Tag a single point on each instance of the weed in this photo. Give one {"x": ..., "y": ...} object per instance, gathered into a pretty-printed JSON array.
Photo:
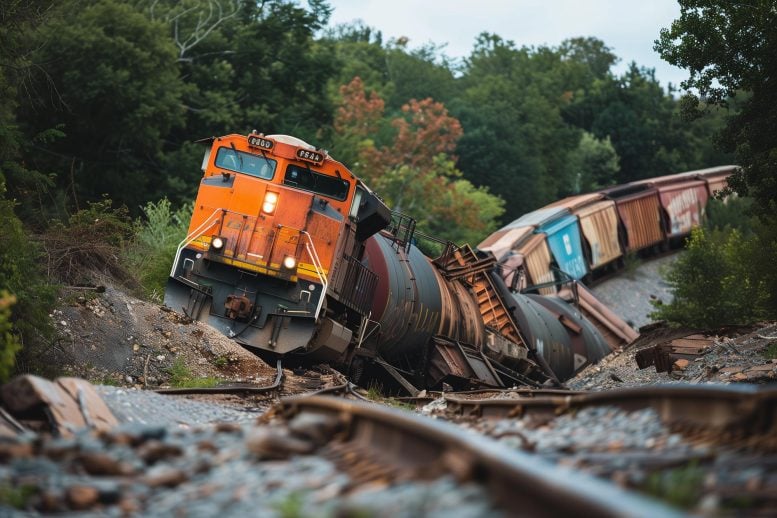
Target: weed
[
  {"x": 16, "y": 497},
  {"x": 630, "y": 264},
  {"x": 681, "y": 487},
  {"x": 771, "y": 351},
  {"x": 221, "y": 361},
  {"x": 107, "y": 380},
  {"x": 291, "y": 506},
  {"x": 181, "y": 377},
  {"x": 151, "y": 253},
  {"x": 375, "y": 392}
]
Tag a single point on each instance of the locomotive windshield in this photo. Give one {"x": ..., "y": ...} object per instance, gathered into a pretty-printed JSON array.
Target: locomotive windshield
[
  {"x": 246, "y": 163},
  {"x": 308, "y": 180}
]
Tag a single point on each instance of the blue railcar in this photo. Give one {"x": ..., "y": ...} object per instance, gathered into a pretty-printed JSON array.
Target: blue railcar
[{"x": 563, "y": 237}]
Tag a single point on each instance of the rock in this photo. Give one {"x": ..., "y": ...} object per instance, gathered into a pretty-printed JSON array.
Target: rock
[
  {"x": 82, "y": 497},
  {"x": 165, "y": 476},
  {"x": 226, "y": 427},
  {"x": 14, "y": 450},
  {"x": 154, "y": 451},
  {"x": 681, "y": 364},
  {"x": 97, "y": 463},
  {"x": 136, "y": 347},
  {"x": 161, "y": 358},
  {"x": 128, "y": 379}
]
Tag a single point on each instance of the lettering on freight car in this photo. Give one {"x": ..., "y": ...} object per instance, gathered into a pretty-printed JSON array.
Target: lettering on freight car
[{"x": 683, "y": 211}]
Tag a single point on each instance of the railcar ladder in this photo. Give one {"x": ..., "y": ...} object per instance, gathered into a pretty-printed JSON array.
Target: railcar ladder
[{"x": 463, "y": 263}]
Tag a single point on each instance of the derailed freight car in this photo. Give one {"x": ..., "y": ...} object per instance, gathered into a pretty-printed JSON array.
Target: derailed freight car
[{"x": 637, "y": 217}]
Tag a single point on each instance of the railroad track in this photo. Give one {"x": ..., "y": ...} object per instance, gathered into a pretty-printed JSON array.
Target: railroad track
[
  {"x": 372, "y": 443},
  {"x": 748, "y": 410},
  {"x": 707, "y": 448}
]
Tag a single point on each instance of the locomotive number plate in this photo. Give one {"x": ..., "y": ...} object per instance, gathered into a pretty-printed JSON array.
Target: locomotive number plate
[
  {"x": 310, "y": 156},
  {"x": 260, "y": 142}
]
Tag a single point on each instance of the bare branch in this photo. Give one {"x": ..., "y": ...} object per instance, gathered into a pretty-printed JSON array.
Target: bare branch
[{"x": 206, "y": 23}]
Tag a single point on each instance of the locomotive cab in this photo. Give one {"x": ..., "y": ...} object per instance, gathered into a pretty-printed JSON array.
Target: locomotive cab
[{"x": 272, "y": 257}]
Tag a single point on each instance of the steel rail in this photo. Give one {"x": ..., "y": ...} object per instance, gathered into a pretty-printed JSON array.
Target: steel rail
[
  {"x": 241, "y": 388},
  {"x": 750, "y": 408},
  {"x": 423, "y": 448}
]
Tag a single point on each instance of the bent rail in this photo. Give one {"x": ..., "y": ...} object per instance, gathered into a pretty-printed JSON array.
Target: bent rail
[{"x": 418, "y": 447}]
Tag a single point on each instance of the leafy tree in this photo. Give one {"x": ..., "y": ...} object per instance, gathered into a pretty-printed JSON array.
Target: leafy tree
[
  {"x": 515, "y": 140},
  {"x": 113, "y": 91},
  {"x": 712, "y": 283},
  {"x": 414, "y": 169},
  {"x": 730, "y": 48},
  {"x": 593, "y": 164}
]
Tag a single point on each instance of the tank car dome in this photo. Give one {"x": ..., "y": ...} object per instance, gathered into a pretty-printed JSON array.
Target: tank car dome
[{"x": 292, "y": 141}]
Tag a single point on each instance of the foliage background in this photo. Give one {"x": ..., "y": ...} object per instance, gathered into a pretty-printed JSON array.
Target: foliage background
[{"x": 104, "y": 99}]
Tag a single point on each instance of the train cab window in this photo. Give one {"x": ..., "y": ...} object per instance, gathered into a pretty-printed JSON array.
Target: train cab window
[
  {"x": 308, "y": 180},
  {"x": 246, "y": 163}
]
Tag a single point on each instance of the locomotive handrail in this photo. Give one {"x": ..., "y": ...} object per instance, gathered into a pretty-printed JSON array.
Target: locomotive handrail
[
  {"x": 313, "y": 253},
  {"x": 191, "y": 237}
]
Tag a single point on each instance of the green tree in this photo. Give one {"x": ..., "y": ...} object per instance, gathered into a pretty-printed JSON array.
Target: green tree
[
  {"x": 515, "y": 140},
  {"x": 713, "y": 284},
  {"x": 111, "y": 86},
  {"x": 414, "y": 170},
  {"x": 593, "y": 164},
  {"x": 730, "y": 49}
]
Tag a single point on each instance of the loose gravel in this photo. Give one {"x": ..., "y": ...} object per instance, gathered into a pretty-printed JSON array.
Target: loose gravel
[{"x": 630, "y": 293}]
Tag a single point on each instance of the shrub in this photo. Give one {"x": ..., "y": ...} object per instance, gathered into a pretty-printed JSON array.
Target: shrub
[
  {"x": 90, "y": 243},
  {"x": 150, "y": 255},
  {"x": 733, "y": 213},
  {"x": 714, "y": 282},
  {"x": 9, "y": 343},
  {"x": 181, "y": 377},
  {"x": 27, "y": 296}
]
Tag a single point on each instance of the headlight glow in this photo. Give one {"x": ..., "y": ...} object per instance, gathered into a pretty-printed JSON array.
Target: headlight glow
[
  {"x": 270, "y": 201},
  {"x": 289, "y": 262},
  {"x": 217, "y": 243}
]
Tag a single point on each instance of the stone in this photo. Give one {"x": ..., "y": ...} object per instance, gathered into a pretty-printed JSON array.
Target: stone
[
  {"x": 154, "y": 451},
  {"x": 82, "y": 497},
  {"x": 98, "y": 463},
  {"x": 165, "y": 477},
  {"x": 14, "y": 450},
  {"x": 681, "y": 364}
]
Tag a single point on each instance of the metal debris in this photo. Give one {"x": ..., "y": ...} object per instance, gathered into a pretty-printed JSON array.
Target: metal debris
[{"x": 666, "y": 354}]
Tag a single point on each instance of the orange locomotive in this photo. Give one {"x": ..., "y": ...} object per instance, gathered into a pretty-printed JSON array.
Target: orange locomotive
[{"x": 271, "y": 256}]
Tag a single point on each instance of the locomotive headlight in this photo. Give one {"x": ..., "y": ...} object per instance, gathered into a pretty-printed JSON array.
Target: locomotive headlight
[
  {"x": 270, "y": 201},
  {"x": 289, "y": 262},
  {"x": 217, "y": 243}
]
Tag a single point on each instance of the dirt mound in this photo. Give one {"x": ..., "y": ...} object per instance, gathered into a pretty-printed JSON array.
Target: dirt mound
[{"x": 109, "y": 337}]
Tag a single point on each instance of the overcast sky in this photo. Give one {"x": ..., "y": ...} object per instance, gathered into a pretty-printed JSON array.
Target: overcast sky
[{"x": 629, "y": 27}]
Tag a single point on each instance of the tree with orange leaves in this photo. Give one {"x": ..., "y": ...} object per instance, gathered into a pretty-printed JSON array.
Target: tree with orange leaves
[{"x": 409, "y": 160}]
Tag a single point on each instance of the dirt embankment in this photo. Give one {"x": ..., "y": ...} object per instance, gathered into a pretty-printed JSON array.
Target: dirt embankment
[{"x": 112, "y": 338}]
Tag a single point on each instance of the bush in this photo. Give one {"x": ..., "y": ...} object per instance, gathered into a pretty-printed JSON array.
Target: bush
[
  {"x": 90, "y": 243},
  {"x": 733, "y": 213},
  {"x": 150, "y": 255},
  {"x": 27, "y": 296},
  {"x": 9, "y": 343},
  {"x": 715, "y": 282}
]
